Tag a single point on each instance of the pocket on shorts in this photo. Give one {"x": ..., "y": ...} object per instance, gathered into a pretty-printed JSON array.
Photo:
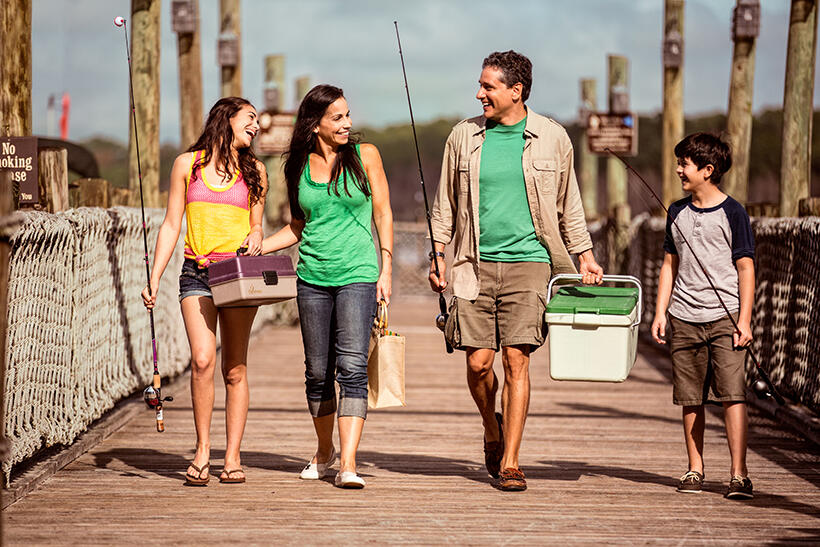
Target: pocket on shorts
[{"x": 451, "y": 330}]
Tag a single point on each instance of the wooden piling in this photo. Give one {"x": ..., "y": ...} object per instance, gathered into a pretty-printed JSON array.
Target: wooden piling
[
  {"x": 795, "y": 171},
  {"x": 588, "y": 168},
  {"x": 15, "y": 68},
  {"x": 6, "y": 209},
  {"x": 618, "y": 98},
  {"x": 275, "y": 82},
  {"x": 189, "y": 60},
  {"x": 90, "y": 193},
  {"x": 52, "y": 179},
  {"x": 672, "y": 99},
  {"x": 302, "y": 88},
  {"x": 229, "y": 22},
  {"x": 809, "y": 207},
  {"x": 145, "y": 48}
]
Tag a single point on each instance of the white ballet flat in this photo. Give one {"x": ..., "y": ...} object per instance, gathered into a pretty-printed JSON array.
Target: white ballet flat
[
  {"x": 316, "y": 471},
  {"x": 348, "y": 479}
]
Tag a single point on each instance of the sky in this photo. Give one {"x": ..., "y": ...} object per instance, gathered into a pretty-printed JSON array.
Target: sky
[{"x": 352, "y": 44}]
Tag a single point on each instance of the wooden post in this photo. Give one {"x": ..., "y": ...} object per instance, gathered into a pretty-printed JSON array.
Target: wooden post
[
  {"x": 53, "y": 179},
  {"x": 739, "y": 120},
  {"x": 229, "y": 23},
  {"x": 589, "y": 161},
  {"x": 145, "y": 40},
  {"x": 119, "y": 196},
  {"x": 618, "y": 85},
  {"x": 302, "y": 88},
  {"x": 795, "y": 175},
  {"x": 672, "y": 98},
  {"x": 6, "y": 209},
  {"x": 90, "y": 193},
  {"x": 15, "y": 68},
  {"x": 809, "y": 207},
  {"x": 275, "y": 83},
  {"x": 190, "y": 82}
]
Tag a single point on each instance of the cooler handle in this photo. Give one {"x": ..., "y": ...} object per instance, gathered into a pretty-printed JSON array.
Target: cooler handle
[{"x": 631, "y": 279}]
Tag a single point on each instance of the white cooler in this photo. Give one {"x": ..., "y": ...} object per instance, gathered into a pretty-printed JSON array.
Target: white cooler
[{"x": 593, "y": 330}]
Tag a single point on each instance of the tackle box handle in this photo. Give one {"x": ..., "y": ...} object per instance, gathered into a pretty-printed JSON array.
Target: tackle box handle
[{"x": 629, "y": 279}]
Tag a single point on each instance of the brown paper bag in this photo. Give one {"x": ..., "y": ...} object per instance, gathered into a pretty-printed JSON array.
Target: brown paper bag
[{"x": 385, "y": 364}]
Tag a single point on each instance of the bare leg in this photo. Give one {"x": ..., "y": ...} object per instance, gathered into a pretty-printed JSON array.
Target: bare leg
[
  {"x": 324, "y": 435},
  {"x": 694, "y": 423},
  {"x": 199, "y": 314},
  {"x": 737, "y": 425},
  {"x": 483, "y": 385},
  {"x": 235, "y": 327},
  {"x": 515, "y": 400},
  {"x": 350, "y": 432}
]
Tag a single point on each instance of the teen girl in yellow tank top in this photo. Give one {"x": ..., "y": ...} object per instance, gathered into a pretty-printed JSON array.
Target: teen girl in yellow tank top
[{"x": 220, "y": 187}]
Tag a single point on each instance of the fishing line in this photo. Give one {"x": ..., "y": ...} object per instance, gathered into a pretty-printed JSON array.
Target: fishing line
[
  {"x": 152, "y": 395},
  {"x": 441, "y": 318},
  {"x": 762, "y": 389}
]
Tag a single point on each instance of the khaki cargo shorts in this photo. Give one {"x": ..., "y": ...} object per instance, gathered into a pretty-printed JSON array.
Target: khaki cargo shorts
[
  {"x": 509, "y": 310},
  {"x": 705, "y": 366}
]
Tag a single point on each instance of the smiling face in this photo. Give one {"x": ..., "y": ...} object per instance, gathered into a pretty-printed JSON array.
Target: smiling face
[
  {"x": 501, "y": 103},
  {"x": 334, "y": 127},
  {"x": 245, "y": 126},
  {"x": 691, "y": 177}
]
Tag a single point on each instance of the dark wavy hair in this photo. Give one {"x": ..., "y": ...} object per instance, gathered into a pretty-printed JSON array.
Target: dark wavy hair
[
  {"x": 514, "y": 68},
  {"x": 703, "y": 149},
  {"x": 303, "y": 142},
  {"x": 217, "y": 137}
]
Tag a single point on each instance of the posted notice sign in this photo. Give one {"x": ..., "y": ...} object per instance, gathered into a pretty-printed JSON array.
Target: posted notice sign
[
  {"x": 18, "y": 155},
  {"x": 618, "y": 132}
]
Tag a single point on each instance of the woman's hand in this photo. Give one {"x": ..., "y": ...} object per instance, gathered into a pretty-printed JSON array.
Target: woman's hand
[
  {"x": 253, "y": 243},
  {"x": 384, "y": 286},
  {"x": 150, "y": 301}
]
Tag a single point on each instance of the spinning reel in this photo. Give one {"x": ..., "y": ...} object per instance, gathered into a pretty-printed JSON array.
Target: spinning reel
[{"x": 153, "y": 397}]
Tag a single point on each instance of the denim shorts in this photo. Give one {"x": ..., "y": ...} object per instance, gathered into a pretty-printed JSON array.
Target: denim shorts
[{"x": 193, "y": 281}]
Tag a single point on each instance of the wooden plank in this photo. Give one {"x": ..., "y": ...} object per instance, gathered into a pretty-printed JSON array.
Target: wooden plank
[{"x": 602, "y": 462}]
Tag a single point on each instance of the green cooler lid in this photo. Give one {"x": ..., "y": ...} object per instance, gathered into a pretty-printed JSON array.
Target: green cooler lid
[{"x": 594, "y": 299}]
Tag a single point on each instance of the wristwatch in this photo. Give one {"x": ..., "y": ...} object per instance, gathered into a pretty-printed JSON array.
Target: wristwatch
[{"x": 430, "y": 255}]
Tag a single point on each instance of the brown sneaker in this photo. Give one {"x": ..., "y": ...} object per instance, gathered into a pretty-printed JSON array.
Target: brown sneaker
[
  {"x": 512, "y": 480},
  {"x": 494, "y": 451},
  {"x": 691, "y": 483},
  {"x": 740, "y": 488}
]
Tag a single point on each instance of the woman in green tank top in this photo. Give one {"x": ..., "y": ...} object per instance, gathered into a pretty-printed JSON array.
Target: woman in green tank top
[{"x": 337, "y": 189}]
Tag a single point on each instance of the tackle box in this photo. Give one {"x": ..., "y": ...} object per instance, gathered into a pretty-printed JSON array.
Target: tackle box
[
  {"x": 252, "y": 280},
  {"x": 593, "y": 330}
]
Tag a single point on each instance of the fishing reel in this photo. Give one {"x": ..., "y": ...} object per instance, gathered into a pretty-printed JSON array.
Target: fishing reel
[
  {"x": 441, "y": 319},
  {"x": 761, "y": 389},
  {"x": 153, "y": 397}
]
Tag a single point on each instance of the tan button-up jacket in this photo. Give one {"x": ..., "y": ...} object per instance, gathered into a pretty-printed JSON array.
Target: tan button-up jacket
[{"x": 552, "y": 192}]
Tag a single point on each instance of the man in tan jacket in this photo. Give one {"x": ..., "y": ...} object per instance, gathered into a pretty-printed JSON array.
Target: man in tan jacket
[{"x": 509, "y": 205}]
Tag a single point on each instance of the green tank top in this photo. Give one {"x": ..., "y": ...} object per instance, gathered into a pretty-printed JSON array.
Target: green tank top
[
  {"x": 506, "y": 230},
  {"x": 337, "y": 243}
]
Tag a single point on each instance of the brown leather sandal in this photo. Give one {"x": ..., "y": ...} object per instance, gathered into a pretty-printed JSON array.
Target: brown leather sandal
[
  {"x": 227, "y": 478},
  {"x": 511, "y": 480},
  {"x": 198, "y": 479}
]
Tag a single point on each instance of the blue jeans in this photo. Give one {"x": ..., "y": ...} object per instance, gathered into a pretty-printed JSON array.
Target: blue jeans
[{"x": 336, "y": 323}]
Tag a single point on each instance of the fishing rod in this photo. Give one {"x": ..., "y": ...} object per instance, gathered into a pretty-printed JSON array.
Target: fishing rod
[
  {"x": 152, "y": 395},
  {"x": 763, "y": 387},
  {"x": 441, "y": 318}
]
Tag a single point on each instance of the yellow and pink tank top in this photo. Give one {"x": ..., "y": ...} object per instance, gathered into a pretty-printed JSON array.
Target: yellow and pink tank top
[{"x": 218, "y": 218}]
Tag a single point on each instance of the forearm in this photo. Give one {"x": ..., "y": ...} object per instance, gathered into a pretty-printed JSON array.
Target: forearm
[
  {"x": 287, "y": 236},
  {"x": 384, "y": 229},
  {"x": 166, "y": 242},
  {"x": 666, "y": 280}
]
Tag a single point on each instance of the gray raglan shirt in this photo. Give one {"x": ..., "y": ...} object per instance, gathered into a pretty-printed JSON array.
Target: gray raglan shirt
[{"x": 719, "y": 236}]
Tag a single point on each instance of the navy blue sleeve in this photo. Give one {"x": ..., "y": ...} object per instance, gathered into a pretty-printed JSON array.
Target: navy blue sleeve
[
  {"x": 743, "y": 240},
  {"x": 669, "y": 241}
]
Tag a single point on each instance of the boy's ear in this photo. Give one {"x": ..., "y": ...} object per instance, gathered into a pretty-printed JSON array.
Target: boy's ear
[{"x": 708, "y": 169}]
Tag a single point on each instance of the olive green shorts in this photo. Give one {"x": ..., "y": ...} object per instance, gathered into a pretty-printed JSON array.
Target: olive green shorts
[
  {"x": 705, "y": 365},
  {"x": 509, "y": 310}
]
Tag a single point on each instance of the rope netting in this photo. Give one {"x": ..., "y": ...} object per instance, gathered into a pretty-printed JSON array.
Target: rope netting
[{"x": 786, "y": 314}]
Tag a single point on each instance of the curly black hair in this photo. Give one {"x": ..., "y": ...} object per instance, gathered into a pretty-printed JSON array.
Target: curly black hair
[{"x": 514, "y": 68}]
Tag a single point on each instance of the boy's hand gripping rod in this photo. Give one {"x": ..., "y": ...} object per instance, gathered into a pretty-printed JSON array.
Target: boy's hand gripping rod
[
  {"x": 762, "y": 389},
  {"x": 152, "y": 395},
  {"x": 441, "y": 319}
]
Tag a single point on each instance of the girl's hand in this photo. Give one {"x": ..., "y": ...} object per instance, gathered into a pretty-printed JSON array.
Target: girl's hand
[
  {"x": 150, "y": 301},
  {"x": 384, "y": 287},
  {"x": 253, "y": 243}
]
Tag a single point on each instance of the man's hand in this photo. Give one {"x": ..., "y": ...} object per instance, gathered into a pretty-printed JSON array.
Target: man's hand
[
  {"x": 742, "y": 337},
  {"x": 659, "y": 328},
  {"x": 438, "y": 284},
  {"x": 591, "y": 271}
]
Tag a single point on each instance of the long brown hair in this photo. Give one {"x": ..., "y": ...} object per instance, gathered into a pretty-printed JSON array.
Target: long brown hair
[
  {"x": 303, "y": 142},
  {"x": 217, "y": 136}
]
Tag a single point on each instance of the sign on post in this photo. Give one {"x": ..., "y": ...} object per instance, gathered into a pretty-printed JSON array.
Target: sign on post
[
  {"x": 618, "y": 132},
  {"x": 275, "y": 131},
  {"x": 18, "y": 155}
]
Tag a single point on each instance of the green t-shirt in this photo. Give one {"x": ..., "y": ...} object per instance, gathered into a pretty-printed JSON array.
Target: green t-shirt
[
  {"x": 337, "y": 243},
  {"x": 506, "y": 231}
]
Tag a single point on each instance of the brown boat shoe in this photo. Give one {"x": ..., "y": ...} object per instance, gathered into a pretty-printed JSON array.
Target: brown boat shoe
[
  {"x": 494, "y": 451},
  {"x": 512, "y": 480}
]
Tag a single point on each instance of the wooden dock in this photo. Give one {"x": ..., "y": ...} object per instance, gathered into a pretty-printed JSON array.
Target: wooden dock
[{"x": 602, "y": 462}]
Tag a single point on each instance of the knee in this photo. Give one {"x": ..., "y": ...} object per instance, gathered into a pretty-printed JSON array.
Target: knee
[
  {"x": 479, "y": 367},
  {"x": 234, "y": 375},
  {"x": 202, "y": 362},
  {"x": 516, "y": 365}
]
